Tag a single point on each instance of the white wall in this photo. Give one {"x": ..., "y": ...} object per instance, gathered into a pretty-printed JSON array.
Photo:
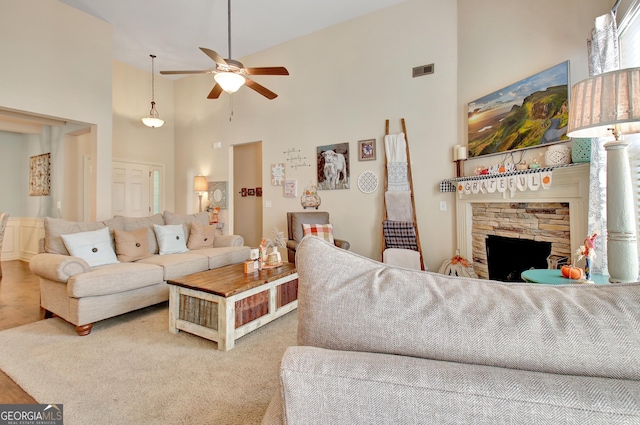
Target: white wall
[
  {"x": 501, "y": 42},
  {"x": 57, "y": 62},
  {"x": 12, "y": 161},
  {"x": 345, "y": 81},
  {"x": 132, "y": 140}
]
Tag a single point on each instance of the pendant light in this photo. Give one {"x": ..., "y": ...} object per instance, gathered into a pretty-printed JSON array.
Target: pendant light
[{"x": 153, "y": 120}]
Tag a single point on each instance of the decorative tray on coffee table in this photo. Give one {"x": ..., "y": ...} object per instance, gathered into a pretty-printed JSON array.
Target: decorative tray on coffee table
[{"x": 272, "y": 267}]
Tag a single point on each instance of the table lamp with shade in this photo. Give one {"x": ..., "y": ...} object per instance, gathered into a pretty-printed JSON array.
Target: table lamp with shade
[
  {"x": 608, "y": 105},
  {"x": 200, "y": 186}
]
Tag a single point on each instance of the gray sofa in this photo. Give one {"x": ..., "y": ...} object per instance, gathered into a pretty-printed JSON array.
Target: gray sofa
[
  {"x": 383, "y": 345},
  {"x": 83, "y": 295}
]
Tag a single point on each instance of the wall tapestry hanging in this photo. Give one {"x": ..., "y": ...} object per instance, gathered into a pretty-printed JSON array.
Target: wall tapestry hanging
[
  {"x": 526, "y": 114},
  {"x": 40, "y": 175},
  {"x": 333, "y": 166}
]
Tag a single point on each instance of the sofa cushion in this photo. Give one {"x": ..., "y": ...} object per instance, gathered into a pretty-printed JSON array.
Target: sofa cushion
[
  {"x": 113, "y": 278},
  {"x": 171, "y": 239},
  {"x": 349, "y": 302},
  {"x": 176, "y": 265},
  {"x": 201, "y": 236},
  {"x": 55, "y": 227},
  {"x": 134, "y": 223},
  {"x": 94, "y": 246},
  {"x": 223, "y": 256},
  {"x": 186, "y": 219},
  {"x": 346, "y": 387},
  {"x": 324, "y": 231},
  {"x": 132, "y": 246}
]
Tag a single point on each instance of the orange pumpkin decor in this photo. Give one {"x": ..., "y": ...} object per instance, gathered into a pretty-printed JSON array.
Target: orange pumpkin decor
[
  {"x": 571, "y": 272},
  {"x": 546, "y": 179}
]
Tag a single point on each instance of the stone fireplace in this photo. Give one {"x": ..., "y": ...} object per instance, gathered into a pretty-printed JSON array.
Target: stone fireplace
[{"x": 557, "y": 215}]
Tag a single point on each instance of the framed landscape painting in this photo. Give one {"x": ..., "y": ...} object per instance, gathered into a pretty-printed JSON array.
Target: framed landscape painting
[{"x": 526, "y": 114}]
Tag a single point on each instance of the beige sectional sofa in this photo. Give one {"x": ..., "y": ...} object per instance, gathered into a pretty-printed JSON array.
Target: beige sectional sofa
[
  {"x": 383, "y": 345},
  {"x": 83, "y": 294}
]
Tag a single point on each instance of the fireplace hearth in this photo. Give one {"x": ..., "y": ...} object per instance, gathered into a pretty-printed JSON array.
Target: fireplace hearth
[{"x": 558, "y": 214}]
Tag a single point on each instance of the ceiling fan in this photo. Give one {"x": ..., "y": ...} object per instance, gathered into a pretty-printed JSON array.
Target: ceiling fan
[{"x": 231, "y": 74}]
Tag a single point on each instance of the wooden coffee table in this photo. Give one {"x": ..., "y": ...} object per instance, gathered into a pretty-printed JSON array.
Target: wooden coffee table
[{"x": 224, "y": 304}]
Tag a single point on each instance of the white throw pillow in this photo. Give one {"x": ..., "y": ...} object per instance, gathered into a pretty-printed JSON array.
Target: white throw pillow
[
  {"x": 94, "y": 247},
  {"x": 171, "y": 239}
]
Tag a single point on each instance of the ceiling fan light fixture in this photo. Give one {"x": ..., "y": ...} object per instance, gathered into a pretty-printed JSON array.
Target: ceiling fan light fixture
[
  {"x": 229, "y": 81},
  {"x": 153, "y": 120}
]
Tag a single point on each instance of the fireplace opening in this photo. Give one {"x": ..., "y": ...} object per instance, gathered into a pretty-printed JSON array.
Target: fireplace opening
[{"x": 507, "y": 258}]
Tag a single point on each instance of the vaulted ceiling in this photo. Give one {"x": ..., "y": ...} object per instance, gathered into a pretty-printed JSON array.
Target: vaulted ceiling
[{"x": 173, "y": 30}]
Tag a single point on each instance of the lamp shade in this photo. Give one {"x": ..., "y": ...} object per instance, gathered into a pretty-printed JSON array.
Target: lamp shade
[
  {"x": 152, "y": 122},
  {"x": 605, "y": 101},
  {"x": 200, "y": 184},
  {"x": 229, "y": 81}
]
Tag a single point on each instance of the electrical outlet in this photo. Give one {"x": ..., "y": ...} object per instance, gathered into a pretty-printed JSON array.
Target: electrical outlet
[
  {"x": 267, "y": 204},
  {"x": 443, "y": 205}
]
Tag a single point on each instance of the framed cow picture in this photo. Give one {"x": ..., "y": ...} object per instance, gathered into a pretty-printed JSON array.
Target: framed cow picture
[{"x": 333, "y": 166}]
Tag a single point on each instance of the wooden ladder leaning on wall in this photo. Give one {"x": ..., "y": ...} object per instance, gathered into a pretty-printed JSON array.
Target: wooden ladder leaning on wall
[{"x": 386, "y": 182}]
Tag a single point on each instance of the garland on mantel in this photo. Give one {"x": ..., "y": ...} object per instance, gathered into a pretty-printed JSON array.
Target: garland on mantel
[{"x": 530, "y": 179}]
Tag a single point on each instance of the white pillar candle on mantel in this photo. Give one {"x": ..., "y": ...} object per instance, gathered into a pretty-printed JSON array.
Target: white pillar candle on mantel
[
  {"x": 462, "y": 152},
  {"x": 455, "y": 152}
]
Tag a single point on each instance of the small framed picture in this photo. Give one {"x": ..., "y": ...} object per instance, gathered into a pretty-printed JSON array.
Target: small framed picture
[
  {"x": 251, "y": 192},
  {"x": 290, "y": 188},
  {"x": 243, "y": 192},
  {"x": 367, "y": 150},
  {"x": 258, "y": 191}
]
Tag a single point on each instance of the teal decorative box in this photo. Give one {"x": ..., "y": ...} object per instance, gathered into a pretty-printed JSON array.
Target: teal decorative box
[{"x": 581, "y": 150}]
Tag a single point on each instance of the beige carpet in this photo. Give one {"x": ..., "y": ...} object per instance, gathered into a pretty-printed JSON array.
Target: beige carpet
[{"x": 131, "y": 370}]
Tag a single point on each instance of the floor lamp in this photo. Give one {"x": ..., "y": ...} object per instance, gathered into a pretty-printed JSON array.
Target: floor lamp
[{"x": 608, "y": 105}]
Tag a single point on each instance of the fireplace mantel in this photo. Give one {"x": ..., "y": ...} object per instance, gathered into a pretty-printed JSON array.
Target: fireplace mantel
[{"x": 569, "y": 185}]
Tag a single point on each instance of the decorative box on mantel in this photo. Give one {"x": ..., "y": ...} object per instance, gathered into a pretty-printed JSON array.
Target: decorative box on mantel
[{"x": 570, "y": 185}]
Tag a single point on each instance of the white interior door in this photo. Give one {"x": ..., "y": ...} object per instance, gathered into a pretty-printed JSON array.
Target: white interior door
[{"x": 131, "y": 189}]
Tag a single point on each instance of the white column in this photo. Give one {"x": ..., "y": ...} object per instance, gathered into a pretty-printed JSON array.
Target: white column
[{"x": 622, "y": 249}]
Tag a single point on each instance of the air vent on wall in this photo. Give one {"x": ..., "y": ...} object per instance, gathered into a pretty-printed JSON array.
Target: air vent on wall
[{"x": 419, "y": 71}]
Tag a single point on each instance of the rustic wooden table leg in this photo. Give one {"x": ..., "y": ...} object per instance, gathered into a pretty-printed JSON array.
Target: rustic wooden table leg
[
  {"x": 174, "y": 307},
  {"x": 226, "y": 323}
]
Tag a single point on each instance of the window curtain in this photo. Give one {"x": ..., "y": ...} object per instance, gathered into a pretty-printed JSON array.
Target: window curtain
[{"x": 603, "y": 57}]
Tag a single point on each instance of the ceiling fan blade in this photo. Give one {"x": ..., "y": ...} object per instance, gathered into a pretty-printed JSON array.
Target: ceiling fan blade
[
  {"x": 213, "y": 55},
  {"x": 215, "y": 92},
  {"x": 267, "y": 70},
  {"x": 260, "y": 89},
  {"x": 204, "y": 71}
]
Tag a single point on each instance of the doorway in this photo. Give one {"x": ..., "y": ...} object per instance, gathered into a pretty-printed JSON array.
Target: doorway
[
  {"x": 137, "y": 189},
  {"x": 247, "y": 192}
]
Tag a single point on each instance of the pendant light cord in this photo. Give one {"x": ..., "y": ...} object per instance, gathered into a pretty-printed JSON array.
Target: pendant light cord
[
  {"x": 153, "y": 97},
  {"x": 229, "y": 26},
  {"x": 229, "y": 38}
]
